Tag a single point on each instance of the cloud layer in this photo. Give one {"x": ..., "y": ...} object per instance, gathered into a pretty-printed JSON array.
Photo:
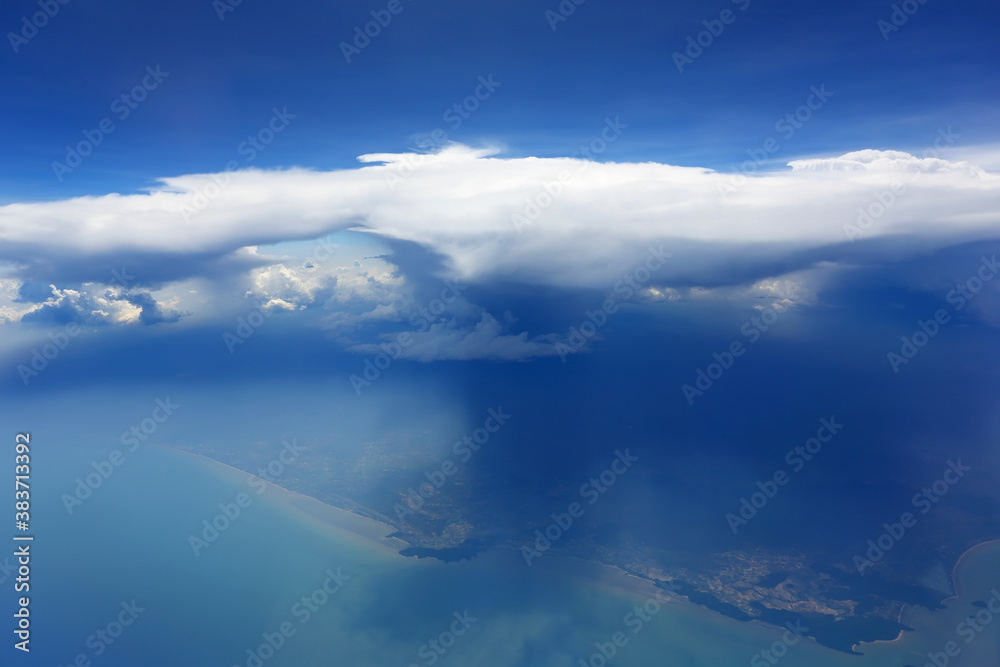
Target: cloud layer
[
  {"x": 548, "y": 221},
  {"x": 467, "y": 215}
]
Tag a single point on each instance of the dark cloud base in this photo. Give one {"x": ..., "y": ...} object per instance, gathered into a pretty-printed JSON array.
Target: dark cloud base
[{"x": 828, "y": 360}]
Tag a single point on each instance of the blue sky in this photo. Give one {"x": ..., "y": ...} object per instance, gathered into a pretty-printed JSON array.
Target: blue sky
[{"x": 606, "y": 59}]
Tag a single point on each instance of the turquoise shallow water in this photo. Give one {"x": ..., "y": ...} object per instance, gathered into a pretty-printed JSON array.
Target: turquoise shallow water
[{"x": 130, "y": 541}]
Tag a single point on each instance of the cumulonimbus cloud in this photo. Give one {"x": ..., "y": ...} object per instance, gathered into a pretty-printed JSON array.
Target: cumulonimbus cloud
[{"x": 555, "y": 221}]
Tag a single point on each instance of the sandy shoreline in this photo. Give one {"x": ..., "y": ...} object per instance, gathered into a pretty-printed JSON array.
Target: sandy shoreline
[
  {"x": 609, "y": 577},
  {"x": 956, "y": 582},
  {"x": 314, "y": 510},
  {"x": 342, "y": 520}
]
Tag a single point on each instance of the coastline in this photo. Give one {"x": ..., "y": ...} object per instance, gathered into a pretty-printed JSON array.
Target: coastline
[
  {"x": 612, "y": 578},
  {"x": 902, "y": 618},
  {"x": 330, "y": 517},
  {"x": 322, "y": 515},
  {"x": 955, "y": 580}
]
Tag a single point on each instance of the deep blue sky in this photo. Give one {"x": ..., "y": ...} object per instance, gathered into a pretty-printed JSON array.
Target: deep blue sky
[{"x": 608, "y": 59}]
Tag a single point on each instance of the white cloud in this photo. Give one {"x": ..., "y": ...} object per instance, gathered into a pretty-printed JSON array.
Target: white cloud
[
  {"x": 888, "y": 162},
  {"x": 290, "y": 289},
  {"x": 11, "y": 310},
  {"x": 459, "y": 204},
  {"x": 770, "y": 240},
  {"x": 366, "y": 292},
  {"x": 91, "y": 303}
]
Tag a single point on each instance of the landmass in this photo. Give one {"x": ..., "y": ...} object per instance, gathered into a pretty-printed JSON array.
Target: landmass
[{"x": 822, "y": 592}]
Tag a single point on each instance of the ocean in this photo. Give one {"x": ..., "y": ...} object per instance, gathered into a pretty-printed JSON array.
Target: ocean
[{"x": 175, "y": 559}]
